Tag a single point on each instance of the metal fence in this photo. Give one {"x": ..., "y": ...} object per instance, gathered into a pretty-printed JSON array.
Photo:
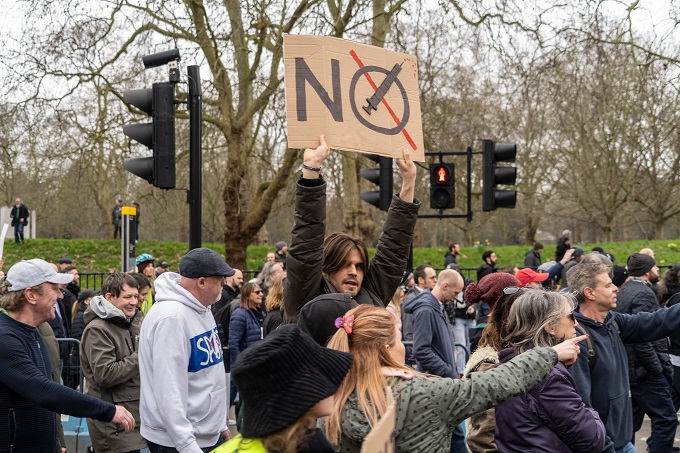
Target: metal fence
[
  {"x": 76, "y": 433},
  {"x": 94, "y": 280}
]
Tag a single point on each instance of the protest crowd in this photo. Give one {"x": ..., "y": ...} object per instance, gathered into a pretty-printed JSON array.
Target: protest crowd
[{"x": 325, "y": 344}]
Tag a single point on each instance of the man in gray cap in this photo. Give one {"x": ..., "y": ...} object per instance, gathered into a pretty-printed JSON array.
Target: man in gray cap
[
  {"x": 29, "y": 399},
  {"x": 281, "y": 250},
  {"x": 184, "y": 391}
]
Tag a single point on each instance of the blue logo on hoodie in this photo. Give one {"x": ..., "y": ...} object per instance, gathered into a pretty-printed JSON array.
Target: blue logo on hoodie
[{"x": 206, "y": 351}]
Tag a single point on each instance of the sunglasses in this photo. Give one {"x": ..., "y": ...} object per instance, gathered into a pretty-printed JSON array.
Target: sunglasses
[
  {"x": 572, "y": 317},
  {"x": 259, "y": 291},
  {"x": 510, "y": 290}
]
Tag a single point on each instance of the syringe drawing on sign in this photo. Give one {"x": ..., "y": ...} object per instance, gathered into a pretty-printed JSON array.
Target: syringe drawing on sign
[{"x": 374, "y": 100}]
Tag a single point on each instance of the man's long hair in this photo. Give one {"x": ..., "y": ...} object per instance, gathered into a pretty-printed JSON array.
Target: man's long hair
[{"x": 336, "y": 250}]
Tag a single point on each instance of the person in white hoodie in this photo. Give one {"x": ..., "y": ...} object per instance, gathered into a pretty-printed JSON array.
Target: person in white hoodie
[{"x": 184, "y": 388}]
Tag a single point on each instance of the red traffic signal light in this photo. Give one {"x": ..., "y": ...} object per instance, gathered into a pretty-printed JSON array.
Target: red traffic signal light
[{"x": 442, "y": 190}]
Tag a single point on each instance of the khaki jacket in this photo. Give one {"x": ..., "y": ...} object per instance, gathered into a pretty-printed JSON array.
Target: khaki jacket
[
  {"x": 481, "y": 427},
  {"x": 108, "y": 356}
]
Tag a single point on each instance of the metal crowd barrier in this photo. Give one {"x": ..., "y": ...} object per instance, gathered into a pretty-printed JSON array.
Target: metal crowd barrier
[{"x": 75, "y": 429}]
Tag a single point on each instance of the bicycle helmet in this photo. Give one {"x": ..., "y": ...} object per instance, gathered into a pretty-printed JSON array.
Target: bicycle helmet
[{"x": 143, "y": 257}]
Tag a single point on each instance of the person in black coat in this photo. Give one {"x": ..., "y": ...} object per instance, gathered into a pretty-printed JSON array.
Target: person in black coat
[
  {"x": 72, "y": 367},
  {"x": 533, "y": 257},
  {"x": 19, "y": 215},
  {"x": 563, "y": 244}
]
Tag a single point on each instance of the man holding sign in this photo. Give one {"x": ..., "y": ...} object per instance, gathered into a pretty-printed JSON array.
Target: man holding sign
[{"x": 339, "y": 264}]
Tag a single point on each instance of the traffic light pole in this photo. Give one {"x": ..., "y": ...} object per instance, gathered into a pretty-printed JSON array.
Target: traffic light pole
[
  {"x": 468, "y": 153},
  {"x": 194, "y": 195}
]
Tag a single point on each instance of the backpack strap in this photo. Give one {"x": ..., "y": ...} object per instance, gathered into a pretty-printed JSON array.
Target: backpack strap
[
  {"x": 674, "y": 299},
  {"x": 592, "y": 357}
]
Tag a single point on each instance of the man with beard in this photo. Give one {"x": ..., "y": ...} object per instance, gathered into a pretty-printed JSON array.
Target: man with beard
[
  {"x": 340, "y": 264},
  {"x": 649, "y": 367},
  {"x": 489, "y": 266}
]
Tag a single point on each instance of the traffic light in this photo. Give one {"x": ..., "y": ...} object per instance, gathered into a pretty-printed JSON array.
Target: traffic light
[
  {"x": 442, "y": 186},
  {"x": 492, "y": 197},
  {"x": 382, "y": 177},
  {"x": 159, "y": 135}
]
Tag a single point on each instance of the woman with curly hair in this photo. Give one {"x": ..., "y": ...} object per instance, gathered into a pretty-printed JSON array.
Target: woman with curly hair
[{"x": 428, "y": 407}]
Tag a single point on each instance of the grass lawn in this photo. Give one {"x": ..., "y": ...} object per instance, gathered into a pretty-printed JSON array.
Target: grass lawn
[{"x": 100, "y": 256}]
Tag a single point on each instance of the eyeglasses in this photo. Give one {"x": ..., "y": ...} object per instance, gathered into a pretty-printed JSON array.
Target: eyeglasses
[
  {"x": 572, "y": 317},
  {"x": 510, "y": 290}
]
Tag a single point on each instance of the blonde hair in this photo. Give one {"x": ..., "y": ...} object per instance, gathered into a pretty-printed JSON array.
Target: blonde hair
[
  {"x": 397, "y": 298},
  {"x": 373, "y": 331},
  {"x": 289, "y": 439},
  {"x": 275, "y": 296}
]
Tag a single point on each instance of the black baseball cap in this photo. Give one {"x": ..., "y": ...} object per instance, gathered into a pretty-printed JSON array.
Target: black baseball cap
[{"x": 203, "y": 262}]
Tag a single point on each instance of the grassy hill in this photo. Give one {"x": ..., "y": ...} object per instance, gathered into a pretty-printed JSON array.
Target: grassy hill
[{"x": 100, "y": 256}]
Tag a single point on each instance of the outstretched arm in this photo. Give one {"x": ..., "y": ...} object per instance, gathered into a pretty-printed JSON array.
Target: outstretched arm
[
  {"x": 387, "y": 267},
  {"x": 305, "y": 255},
  {"x": 408, "y": 176},
  {"x": 314, "y": 158}
]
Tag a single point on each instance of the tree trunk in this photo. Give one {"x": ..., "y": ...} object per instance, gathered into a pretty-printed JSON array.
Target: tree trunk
[
  {"x": 659, "y": 229},
  {"x": 531, "y": 227}
]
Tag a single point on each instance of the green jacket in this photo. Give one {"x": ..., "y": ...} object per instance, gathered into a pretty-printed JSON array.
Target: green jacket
[
  {"x": 108, "y": 356},
  {"x": 240, "y": 445},
  {"x": 429, "y": 408}
]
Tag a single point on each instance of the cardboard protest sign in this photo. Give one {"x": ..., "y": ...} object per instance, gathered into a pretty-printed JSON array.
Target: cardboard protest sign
[
  {"x": 381, "y": 437},
  {"x": 364, "y": 98}
]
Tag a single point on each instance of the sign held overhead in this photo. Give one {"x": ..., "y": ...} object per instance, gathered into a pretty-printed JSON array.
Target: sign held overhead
[{"x": 364, "y": 98}]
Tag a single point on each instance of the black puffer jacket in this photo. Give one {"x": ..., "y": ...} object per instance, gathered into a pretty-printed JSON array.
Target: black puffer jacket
[
  {"x": 649, "y": 358},
  {"x": 305, "y": 256},
  {"x": 672, "y": 297}
]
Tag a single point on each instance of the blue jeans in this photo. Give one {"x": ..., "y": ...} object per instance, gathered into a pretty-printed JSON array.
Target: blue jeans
[
  {"x": 462, "y": 337},
  {"x": 653, "y": 397},
  {"x": 458, "y": 444},
  {"x": 627, "y": 449},
  {"x": 19, "y": 232}
]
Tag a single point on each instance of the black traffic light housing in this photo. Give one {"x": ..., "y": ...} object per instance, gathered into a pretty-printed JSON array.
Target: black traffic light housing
[
  {"x": 493, "y": 175},
  {"x": 382, "y": 177},
  {"x": 159, "y": 135},
  {"x": 442, "y": 186}
]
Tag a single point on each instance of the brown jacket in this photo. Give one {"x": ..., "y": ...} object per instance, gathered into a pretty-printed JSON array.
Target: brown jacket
[
  {"x": 481, "y": 427},
  {"x": 304, "y": 281},
  {"x": 108, "y": 355}
]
